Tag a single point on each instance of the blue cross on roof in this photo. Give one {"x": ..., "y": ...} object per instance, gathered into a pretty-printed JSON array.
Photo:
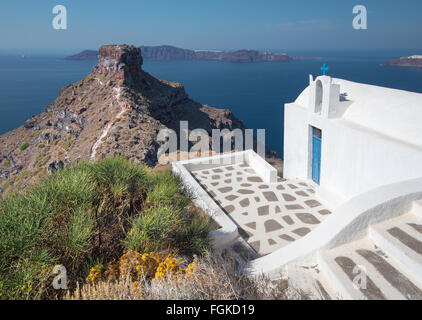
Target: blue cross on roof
[{"x": 324, "y": 68}]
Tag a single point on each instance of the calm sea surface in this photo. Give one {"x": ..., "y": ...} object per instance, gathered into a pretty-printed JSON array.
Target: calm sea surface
[{"x": 254, "y": 92}]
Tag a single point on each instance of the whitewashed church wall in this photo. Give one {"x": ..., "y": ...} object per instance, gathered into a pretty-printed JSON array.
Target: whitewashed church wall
[
  {"x": 353, "y": 159},
  {"x": 296, "y": 138}
]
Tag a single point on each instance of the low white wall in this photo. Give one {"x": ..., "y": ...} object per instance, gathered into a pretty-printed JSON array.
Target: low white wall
[
  {"x": 266, "y": 171},
  {"x": 347, "y": 223},
  {"x": 229, "y": 230}
]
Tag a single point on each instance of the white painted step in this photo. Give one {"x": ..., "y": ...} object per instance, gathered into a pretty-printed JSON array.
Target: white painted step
[
  {"x": 307, "y": 280},
  {"x": 239, "y": 252},
  {"x": 401, "y": 238},
  {"x": 351, "y": 266},
  {"x": 417, "y": 208}
]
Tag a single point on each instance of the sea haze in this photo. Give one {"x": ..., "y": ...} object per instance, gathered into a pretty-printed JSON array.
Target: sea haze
[{"x": 255, "y": 92}]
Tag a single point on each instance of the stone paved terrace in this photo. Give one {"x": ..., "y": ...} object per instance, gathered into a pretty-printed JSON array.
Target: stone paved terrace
[{"x": 270, "y": 215}]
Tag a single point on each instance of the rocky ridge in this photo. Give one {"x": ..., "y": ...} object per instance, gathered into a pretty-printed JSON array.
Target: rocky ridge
[{"x": 173, "y": 53}]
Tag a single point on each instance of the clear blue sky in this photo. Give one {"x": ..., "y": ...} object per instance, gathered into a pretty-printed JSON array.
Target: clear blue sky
[{"x": 212, "y": 24}]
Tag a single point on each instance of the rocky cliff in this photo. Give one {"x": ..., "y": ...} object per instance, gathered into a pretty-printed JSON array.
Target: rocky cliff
[
  {"x": 174, "y": 53},
  {"x": 118, "y": 108}
]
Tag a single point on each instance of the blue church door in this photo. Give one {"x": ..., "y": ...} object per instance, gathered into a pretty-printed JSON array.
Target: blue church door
[{"x": 316, "y": 154}]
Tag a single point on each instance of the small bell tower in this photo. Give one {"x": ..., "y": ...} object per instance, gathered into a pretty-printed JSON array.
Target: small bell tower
[{"x": 324, "y": 96}]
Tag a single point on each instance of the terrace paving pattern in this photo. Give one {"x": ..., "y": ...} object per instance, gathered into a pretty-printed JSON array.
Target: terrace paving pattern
[{"x": 269, "y": 215}]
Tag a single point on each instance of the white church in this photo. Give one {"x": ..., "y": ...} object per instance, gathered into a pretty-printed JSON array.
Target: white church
[
  {"x": 345, "y": 220},
  {"x": 350, "y": 137}
]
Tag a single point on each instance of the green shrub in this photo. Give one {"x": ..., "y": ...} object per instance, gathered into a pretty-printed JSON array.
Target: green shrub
[
  {"x": 24, "y": 146},
  {"x": 193, "y": 237},
  {"x": 79, "y": 231},
  {"x": 164, "y": 189},
  {"x": 163, "y": 227},
  {"x": 118, "y": 176},
  {"x": 40, "y": 227},
  {"x": 33, "y": 230},
  {"x": 154, "y": 229}
]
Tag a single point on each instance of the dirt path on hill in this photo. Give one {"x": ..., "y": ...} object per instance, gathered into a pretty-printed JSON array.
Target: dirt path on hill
[{"x": 107, "y": 128}]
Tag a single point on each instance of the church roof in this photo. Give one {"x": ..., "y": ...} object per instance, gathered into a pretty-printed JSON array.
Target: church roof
[{"x": 391, "y": 112}]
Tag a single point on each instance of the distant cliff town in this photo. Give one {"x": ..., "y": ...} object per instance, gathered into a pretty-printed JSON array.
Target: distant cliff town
[
  {"x": 174, "y": 53},
  {"x": 411, "y": 61}
]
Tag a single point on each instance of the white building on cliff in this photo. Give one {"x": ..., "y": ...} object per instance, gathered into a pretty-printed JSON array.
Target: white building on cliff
[
  {"x": 350, "y": 203},
  {"x": 351, "y": 199},
  {"x": 350, "y": 137}
]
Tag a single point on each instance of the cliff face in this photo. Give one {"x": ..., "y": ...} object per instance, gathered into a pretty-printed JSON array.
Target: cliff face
[
  {"x": 119, "y": 62},
  {"x": 118, "y": 108},
  {"x": 173, "y": 53},
  {"x": 167, "y": 53}
]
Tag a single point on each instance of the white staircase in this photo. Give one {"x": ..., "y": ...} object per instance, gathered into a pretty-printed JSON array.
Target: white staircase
[
  {"x": 402, "y": 239},
  {"x": 386, "y": 264},
  {"x": 417, "y": 208}
]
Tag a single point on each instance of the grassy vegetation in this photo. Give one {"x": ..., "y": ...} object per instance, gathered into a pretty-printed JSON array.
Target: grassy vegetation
[
  {"x": 24, "y": 146},
  {"x": 90, "y": 213}
]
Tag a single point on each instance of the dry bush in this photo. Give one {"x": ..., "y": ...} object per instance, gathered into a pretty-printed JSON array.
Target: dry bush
[
  {"x": 140, "y": 267},
  {"x": 123, "y": 289},
  {"x": 213, "y": 279}
]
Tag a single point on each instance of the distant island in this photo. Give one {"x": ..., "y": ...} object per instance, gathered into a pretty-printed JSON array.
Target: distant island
[
  {"x": 411, "y": 61},
  {"x": 166, "y": 52},
  {"x": 84, "y": 55}
]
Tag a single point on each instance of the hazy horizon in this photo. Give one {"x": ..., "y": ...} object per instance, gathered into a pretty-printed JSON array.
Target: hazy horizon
[
  {"x": 289, "y": 51},
  {"x": 223, "y": 25}
]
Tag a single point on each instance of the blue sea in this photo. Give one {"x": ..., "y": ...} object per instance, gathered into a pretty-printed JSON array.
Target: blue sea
[{"x": 255, "y": 92}]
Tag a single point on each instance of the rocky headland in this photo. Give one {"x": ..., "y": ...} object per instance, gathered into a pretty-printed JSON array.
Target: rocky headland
[{"x": 117, "y": 109}]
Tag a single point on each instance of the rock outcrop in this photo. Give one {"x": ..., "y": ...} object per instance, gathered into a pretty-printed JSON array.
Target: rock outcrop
[
  {"x": 119, "y": 62},
  {"x": 117, "y": 109}
]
